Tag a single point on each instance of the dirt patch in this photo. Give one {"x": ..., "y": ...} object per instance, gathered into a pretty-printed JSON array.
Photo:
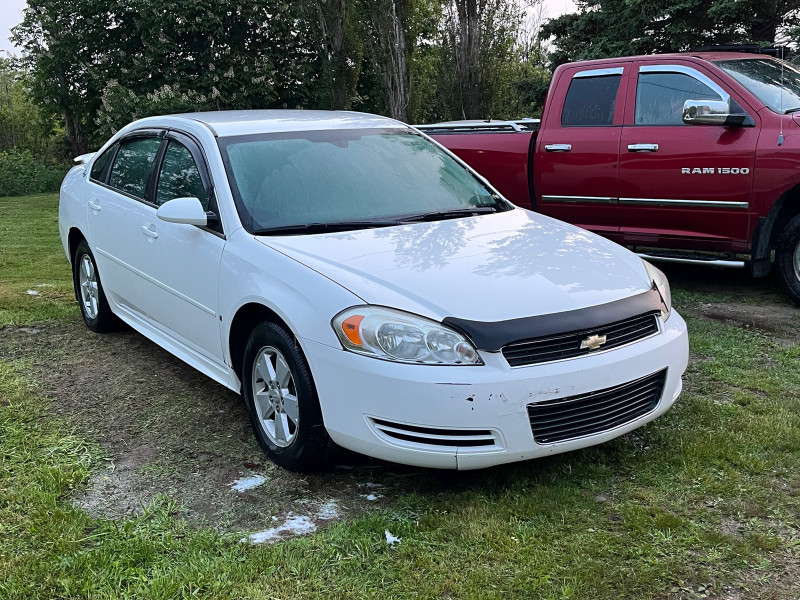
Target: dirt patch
[
  {"x": 168, "y": 429},
  {"x": 754, "y": 304}
]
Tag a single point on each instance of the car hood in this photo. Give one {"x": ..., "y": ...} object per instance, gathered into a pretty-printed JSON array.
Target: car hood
[{"x": 485, "y": 268}]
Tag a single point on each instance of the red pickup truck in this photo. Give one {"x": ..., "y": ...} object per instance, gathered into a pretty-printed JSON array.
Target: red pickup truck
[{"x": 683, "y": 157}]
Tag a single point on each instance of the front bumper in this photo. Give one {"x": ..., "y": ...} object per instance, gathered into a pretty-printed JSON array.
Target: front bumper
[{"x": 359, "y": 395}]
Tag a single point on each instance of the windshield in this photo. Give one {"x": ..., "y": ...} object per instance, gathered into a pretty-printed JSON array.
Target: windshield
[
  {"x": 355, "y": 178},
  {"x": 763, "y": 77}
]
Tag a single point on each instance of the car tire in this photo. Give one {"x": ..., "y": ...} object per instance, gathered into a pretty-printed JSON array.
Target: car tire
[
  {"x": 787, "y": 259},
  {"x": 89, "y": 291},
  {"x": 282, "y": 399}
]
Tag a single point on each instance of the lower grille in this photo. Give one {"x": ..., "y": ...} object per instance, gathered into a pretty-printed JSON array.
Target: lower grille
[
  {"x": 569, "y": 345},
  {"x": 595, "y": 412},
  {"x": 434, "y": 436}
]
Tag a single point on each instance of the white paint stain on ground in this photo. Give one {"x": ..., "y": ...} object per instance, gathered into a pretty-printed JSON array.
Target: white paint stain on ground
[
  {"x": 329, "y": 510},
  {"x": 391, "y": 539},
  {"x": 247, "y": 483},
  {"x": 32, "y": 293},
  {"x": 372, "y": 497},
  {"x": 293, "y": 525}
]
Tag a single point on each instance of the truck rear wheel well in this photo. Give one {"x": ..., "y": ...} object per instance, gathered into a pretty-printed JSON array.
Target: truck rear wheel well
[{"x": 244, "y": 321}]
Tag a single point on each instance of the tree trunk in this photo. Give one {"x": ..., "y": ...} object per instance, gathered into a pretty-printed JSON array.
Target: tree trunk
[
  {"x": 388, "y": 21},
  {"x": 332, "y": 18},
  {"x": 468, "y": 46}
]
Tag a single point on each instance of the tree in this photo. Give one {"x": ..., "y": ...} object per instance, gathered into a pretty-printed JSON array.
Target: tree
[{"x": 603, "y": 28}]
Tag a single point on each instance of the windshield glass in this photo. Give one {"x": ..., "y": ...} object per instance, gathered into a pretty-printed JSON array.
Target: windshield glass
[
  {"x": 341, "y": 176},
  {"x": 762, "y": 77}
]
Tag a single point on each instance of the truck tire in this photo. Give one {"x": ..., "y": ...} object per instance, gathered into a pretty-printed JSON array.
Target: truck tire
[{"x": 787, "y": 259}]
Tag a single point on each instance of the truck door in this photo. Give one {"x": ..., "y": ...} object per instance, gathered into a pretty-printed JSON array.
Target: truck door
[
  {"x": 576, "y": 160},
  {"x": 683, "y": 186}
]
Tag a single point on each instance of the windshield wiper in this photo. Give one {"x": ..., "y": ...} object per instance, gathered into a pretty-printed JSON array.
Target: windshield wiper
[
  {"x": 439, "y": 215},
  {"x": 309, "y": 228},
  {"x": 791, "y": 110}
]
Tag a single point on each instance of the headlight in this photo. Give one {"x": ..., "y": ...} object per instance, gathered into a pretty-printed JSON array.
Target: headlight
[
  {"x": 662, "y": 285},
  {"x": 402, "y": 337}
]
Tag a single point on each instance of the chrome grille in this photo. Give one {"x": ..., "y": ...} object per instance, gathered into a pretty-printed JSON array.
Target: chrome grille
[
  {"x": 568, "y": 345},
  {"x": 577, "y": 416}
]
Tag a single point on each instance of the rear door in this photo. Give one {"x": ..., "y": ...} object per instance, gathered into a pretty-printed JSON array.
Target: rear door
[
  {"x": 576, "y": 160},
  {"x": 117, "y": 190},
  {"x": 683, "y": 186}
]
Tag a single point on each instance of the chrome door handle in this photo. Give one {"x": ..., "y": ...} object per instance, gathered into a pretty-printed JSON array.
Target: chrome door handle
[
  {"x": 149, "y": 232},
  {"x": 642, "y": 147},
  {"x": 558, "y": 147},
  {"x": 95, "y": 206}
]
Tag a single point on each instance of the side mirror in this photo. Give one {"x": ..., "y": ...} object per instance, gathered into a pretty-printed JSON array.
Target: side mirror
[
  {"x": 183, "y": 210},
  {"x": 713, "y": 112}
]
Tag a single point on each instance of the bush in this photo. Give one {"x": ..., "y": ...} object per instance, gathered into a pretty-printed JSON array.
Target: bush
[{"x": 21, "y": 174}]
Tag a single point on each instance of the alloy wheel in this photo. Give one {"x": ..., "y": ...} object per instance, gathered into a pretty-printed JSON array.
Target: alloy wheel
[{"x": 275, "y": 396}]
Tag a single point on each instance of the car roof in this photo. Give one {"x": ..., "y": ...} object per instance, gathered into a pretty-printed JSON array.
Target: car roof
[{"x": 226, "y": 123}]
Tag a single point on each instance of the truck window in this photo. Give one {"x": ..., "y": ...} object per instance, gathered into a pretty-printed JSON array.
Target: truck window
[
  {"x": 660, "y": 97},
  {"x": 590, "y": 101}
]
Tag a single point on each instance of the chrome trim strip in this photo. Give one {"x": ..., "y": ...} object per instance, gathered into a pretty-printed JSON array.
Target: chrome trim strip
[
  {"x": 674, "y": 203},
  {"x": 154, "y": 281},
  {"x": 585, "y": 199},
  {"x": 687, "y": 71},
  {"x": 598, "y": 72},
  {"x": 728, "y": 264}
]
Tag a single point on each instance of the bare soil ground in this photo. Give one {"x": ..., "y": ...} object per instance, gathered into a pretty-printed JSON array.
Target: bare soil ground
[{"x": 168, "y": 429}]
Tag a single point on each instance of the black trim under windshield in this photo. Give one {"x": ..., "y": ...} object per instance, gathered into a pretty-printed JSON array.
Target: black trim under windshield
[{"x": 337, "y": 136}]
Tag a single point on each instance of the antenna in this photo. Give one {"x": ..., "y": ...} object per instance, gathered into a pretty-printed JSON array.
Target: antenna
[{"x": 780, "y": 135}]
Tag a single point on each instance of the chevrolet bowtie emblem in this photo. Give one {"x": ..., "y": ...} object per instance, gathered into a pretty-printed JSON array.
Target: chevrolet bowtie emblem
[{"x": 593, "y": 342}]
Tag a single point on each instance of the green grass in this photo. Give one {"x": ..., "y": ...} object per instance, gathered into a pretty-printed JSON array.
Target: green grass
[
  {"x": 32, "y": 258},
  {"x": 703, "y": 497}
]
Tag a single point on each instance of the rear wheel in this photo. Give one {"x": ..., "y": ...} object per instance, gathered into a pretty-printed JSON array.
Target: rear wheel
[
  {"x": 282, "y": 399},
  {"x": 787, "y": 259},
  {"x": 89, "y": 291}
]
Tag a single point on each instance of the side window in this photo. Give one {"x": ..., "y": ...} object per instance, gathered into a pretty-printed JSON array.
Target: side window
[
  {"x": 99, "y": 166},
  {"x": 590, "y": 101},
  {"x": 132, "y": 165},
  {"x": 179, "y": 176},
  {"x": 660, "y": 97}
]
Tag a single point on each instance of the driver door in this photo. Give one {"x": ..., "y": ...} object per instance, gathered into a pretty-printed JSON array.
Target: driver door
[{"x": 682, "y": 185}]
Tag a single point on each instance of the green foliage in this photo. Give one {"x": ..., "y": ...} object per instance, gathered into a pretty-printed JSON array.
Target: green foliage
[
  {"x": 21, "y": 173},
  {"x": 604, "y": 28},
  {"x": 23, "y": 125}
]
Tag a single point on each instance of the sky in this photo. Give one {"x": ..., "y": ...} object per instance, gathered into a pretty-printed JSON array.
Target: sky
[{"x": 11, "y": 14}]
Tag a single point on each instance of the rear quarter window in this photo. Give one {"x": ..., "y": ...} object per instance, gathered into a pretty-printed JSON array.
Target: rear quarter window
[{"x": 99, "y": 167}]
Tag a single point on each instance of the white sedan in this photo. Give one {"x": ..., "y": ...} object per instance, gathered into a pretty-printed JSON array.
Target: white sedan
[{"x": 360, "y": 285}]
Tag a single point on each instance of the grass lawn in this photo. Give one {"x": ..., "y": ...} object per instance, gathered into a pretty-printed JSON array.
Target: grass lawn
[{"x": 703, "y": 502}]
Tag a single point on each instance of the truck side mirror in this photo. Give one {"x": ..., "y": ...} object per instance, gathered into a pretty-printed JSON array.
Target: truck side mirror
[{"x": 715, "y": 112}]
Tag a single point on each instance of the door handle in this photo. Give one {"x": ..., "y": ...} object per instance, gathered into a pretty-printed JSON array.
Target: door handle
[
  {"x": 149, "y": 232},
  {"x": 642, "y": 147},
  {"x": 558, "y": 147},
  {"x": 95, "y": 206}
]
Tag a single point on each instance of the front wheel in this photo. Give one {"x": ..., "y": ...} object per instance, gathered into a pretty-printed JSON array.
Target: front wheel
[
  {"x": 282, "y": 399},
  {"x": 787, "y": 259}
]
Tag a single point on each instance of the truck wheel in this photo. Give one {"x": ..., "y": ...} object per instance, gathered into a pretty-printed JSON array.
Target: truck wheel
[
  {"x": 282, "y": 399},
  {"x": 787, "y": 259}
]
